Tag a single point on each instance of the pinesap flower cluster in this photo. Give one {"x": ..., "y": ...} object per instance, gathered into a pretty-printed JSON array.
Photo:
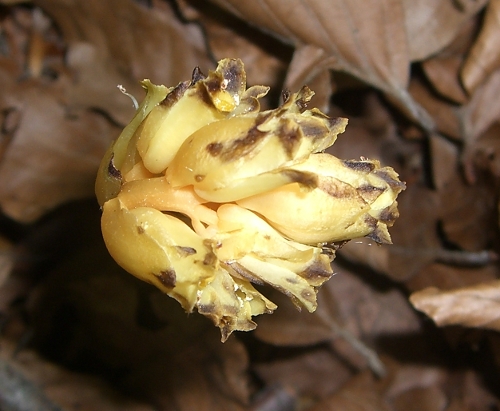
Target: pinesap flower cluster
[{"x": 204, "y": 196}]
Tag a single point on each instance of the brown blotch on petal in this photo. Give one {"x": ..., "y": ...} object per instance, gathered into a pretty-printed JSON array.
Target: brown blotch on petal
[
  {"x": 329, "y": 248},
  {"x": 312, "y": 129},
  {"x": 213, "y": 84},
  {"x": 238, "y": 271},
  {"x": 337, "y": 122},
  {"x": 242, "y": 146},
  {"x": 185, "y": 251},
  {"x": 370, "y": 221},
  {"x": 168, "y": 278},
  {"x": 362, "y": 166},
  {"x": 215, "y": 148},
  {"x": 317, "y": 273},
  {"x": 175, "y": 95},
  {"x": 304, "y": 97},
  {"x": 390, "y": 177},
  {"x": 210, "y": 258},
  {"x": 236, "y": 76},
  {"x": 380, "y": 235},
  {"x": 369, "y": 192},
  {"x": 338, "y": 189},
  {"x": 285, "y": 95},
  {"x": 308, "y": 296},
  {"x": 140, "y": 230},
  {"x": 112, "y": 170},
  {"x": 309, "y": 180},
  {"x": 289, "y": 137},
  {"x": 197, "y": 75},
  {"x": 389, "y": 214}
]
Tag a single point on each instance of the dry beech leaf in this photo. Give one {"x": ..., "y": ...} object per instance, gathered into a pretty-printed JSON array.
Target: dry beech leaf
[
  {"x": 469, "y": 212},
  {"x": 484, "y": 57},
  {"x": 476, "y": 117},
  {"x": 361, "y": 393},
  {"x": 486, "y": 153},
  {"x": 442, "y": 72},
  {"x": 52, "y": 153},
  {"x": 104, "y": 51},
  {"x": 369, "y": 43},
  {"x": 444, "y": 158},
  {"x": 433, "y": 24},
  {"x": 444, "y": 114},
  {"x": 52, "y": 157},
  {"x": 316, "y": 373},
  {"x": 475, "y": 306},
  {"x": 449, "y": 277},
  {"x": 482, "y": 110},
  {"x": 443, "y": 69}
]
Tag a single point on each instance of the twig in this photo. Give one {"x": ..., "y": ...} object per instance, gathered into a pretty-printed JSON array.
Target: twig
[{"x": 370, "y": 355}]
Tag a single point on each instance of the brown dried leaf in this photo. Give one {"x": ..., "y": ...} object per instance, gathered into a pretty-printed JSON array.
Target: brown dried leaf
[
  {"x": 316, "y": 373},
  {"x": 433, "y": 24},
  {"x": 444, "y": 114},
  {"x": 62, "y": 127},
  {"x": 443, "y": 69},
  {"x": 484, "y": 57},
  {"x": 121, "y": 42},
  {"x": 359, "y": 394},
  {"x": 53, "y": 156},
  {"x": 448, "y": 277},
  {"x": 369, "y": 43},
  {"x": 442, "y": 72},
  {"x": 474, "y": 306},
  {"x": 469, "y": 212},
  {"x": 482, "y": 110}
]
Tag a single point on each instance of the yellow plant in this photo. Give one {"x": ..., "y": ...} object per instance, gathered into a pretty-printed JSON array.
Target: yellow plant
[{"x": 204, "y": 195}]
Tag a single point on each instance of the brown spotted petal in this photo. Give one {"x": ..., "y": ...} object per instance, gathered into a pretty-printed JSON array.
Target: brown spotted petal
[
  {"x": 252, "y": 250},
  {"x": 240, "y": 156},
  {"x": 341, "y": 200}
]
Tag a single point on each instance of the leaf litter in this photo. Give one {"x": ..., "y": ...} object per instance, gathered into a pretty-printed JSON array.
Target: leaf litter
[{"x": 408, "y": 326}]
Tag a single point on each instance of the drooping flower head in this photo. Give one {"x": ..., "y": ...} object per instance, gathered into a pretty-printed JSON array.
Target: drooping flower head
[{"x": 204, "y": 196}]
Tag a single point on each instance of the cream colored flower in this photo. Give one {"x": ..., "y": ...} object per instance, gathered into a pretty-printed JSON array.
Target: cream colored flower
[{"x": 204, "y": 195}]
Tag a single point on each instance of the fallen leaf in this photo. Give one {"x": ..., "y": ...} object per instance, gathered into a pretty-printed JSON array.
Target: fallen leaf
[
  {"x": 368, "y": 43},
  {"x": 444, "y": 114},
  {"x": 484, "y": 57},
  {"x": 316, "y": 374},
  {"x": 53, "y": 156},
  {"x": 473, "y": 306},
  {"x": 359, "y": 394},
  {"x": 103, "y": 50},
  {"x": 476, "y": 117},
  {"x": 432, "y": 25},
  {"x": 448, "y": 277}
]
